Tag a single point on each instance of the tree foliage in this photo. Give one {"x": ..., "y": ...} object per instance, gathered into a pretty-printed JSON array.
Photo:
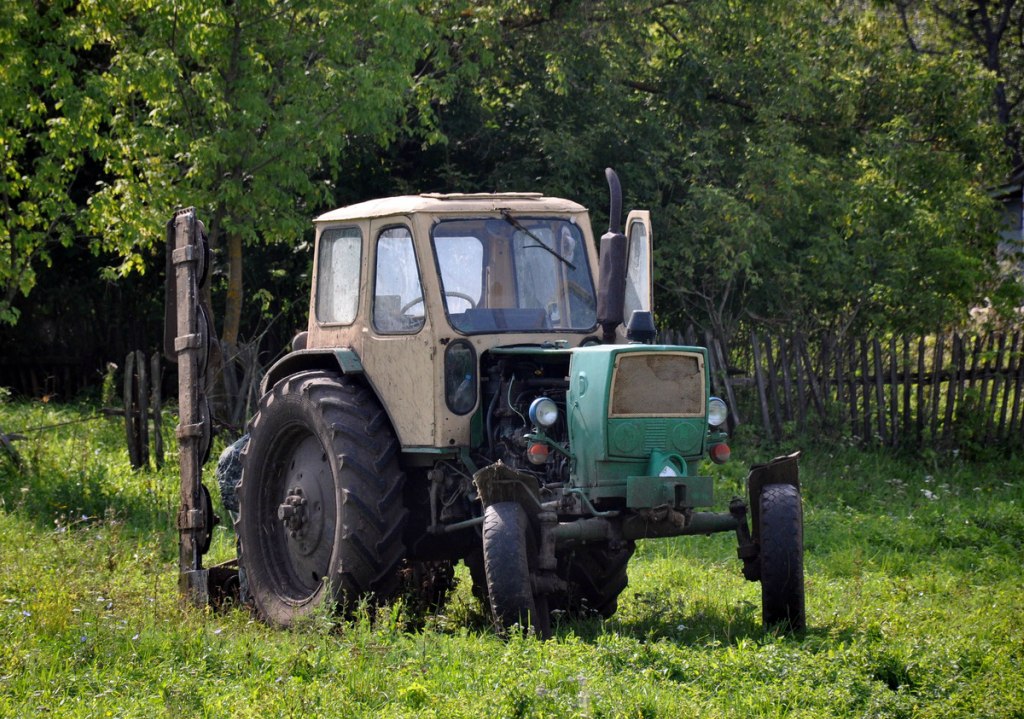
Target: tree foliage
[
  {"x": 244, "y": 109},
  {"x": 820, "y": 167},
  {"x": 50, "y": 114},
  {"x": 989, "y": 31},
  {"x": 807, "y": 168}
]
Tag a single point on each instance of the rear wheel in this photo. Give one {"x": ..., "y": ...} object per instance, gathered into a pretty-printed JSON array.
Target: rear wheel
[
  {"x": 509, "y": 555},
  {"x": 782, "y": 557},
  {"x": 320, "y": 499}
]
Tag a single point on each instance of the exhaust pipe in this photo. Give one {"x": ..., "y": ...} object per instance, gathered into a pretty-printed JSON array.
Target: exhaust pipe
[
  {"x": 615, "y": 209},
  {"x": 611, "y": 284}
]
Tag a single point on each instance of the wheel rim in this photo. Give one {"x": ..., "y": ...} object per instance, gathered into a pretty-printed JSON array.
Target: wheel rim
[{"x": 300, "y": 515}]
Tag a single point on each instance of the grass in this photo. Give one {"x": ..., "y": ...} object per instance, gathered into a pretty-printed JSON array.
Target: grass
[{"x": 914, "y": 591}]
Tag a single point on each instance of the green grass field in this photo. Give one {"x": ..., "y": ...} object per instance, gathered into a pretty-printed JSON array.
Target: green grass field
[{"x": 915, "y": 606}]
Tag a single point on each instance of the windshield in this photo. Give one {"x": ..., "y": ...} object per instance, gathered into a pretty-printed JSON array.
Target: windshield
[{"x": 515, "y": 274}]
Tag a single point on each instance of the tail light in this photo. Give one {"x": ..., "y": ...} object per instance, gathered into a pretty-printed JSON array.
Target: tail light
[{"x": 719, "y": 453}]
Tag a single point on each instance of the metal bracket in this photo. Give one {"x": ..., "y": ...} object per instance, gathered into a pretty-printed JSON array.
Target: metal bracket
[
  {"x": 191, "y": 519},
  {"x": 184, "y": 254},
  {"x": 187, "y": 342},
  {"x": 189, "y": 431}
]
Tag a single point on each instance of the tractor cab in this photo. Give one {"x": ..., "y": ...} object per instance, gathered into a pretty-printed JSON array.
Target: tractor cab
[{"x": 400, "y": 281}]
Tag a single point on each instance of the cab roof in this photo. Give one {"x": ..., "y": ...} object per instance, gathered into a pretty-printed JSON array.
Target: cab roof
[{"x": 519, "y": 202}]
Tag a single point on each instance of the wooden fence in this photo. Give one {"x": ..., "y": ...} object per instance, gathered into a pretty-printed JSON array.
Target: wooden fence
[{"x": 952, "y": 391}]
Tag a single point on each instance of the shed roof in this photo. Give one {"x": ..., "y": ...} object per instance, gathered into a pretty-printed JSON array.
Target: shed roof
[{"x": 1014, "y": 186}]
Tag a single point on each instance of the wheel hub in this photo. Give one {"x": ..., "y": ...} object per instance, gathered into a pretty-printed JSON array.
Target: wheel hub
[
  {"x": 293, "y": 512},
  {"x": 305, "y": 512}
]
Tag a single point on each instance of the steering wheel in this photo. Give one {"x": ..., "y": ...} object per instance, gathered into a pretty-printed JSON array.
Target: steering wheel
[{"x": 446, "y": 293}]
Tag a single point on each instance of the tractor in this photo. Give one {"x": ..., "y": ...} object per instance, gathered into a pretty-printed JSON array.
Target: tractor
[{"x": 479, "y": 381}]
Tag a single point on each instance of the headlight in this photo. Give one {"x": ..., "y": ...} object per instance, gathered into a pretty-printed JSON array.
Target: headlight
[
  {"x": 717, "y": 412},
  {"x": 543, "y": 412}
]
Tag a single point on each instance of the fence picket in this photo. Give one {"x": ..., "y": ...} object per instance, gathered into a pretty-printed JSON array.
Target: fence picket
[
  {"x": 994, "y": 396},
  {"x": 865, "y": 390},
  {"x": 1007, "y": 388},
  {"x": 951, "y": 389},
  {"x": 894, "y": 399},
  {"x": 766, "y": 421},
  {"x": 937, "y": 360},
  {"x": 1016, "y": 420}
]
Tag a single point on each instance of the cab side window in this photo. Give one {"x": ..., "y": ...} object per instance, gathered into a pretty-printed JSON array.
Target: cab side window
[
  {"x": 398, "y": 295},
  {"x": 337, "y": 293}
]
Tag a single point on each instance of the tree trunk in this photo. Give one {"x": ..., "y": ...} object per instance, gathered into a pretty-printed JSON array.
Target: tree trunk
[{"x": 233, "y": 298}]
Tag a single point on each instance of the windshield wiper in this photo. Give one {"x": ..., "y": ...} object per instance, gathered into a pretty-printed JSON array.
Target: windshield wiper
[{"x": 507, "y": 215}]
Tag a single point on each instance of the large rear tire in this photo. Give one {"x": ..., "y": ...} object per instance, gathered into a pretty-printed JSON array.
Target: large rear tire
[
  {"x": 509, "y": 554},
  {"x": 782, "y": 558},
  {"x": 320, "y": 499}
]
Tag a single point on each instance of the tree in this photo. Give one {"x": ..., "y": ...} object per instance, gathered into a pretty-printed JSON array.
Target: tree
[
  {"x": 49, "y": 114},
  {"x": 991, "y": 32},
  {"x": 807, "y": 169},
  {"x": 243, "y": 109}
]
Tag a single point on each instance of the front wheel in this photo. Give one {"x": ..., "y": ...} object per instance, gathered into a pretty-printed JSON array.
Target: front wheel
[
  {"x": 320, "y": 499},
  {"x": 782, "y": 557},
  {"x": 509, "y": 554}
]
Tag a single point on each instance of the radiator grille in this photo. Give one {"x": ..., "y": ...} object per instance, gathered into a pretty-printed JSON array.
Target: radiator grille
[{"x": 658, "y": 384}]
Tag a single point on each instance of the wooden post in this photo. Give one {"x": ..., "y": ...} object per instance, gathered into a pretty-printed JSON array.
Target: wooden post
[
  {"x": 919, "y": 436},
  {"x": 978, "y": 341},
  {"x": 1007, "y": 387},
  {"x": 865, "y": 391},
  {"x": 131, "y": 434},
  {"x": 773, "y": 387},
  {"x": 801, "y": 390},
  {"x": 1016, "y": 420},
  {"x": 894, "y": 396},
  {"x": 851, "y": 352},
  {"x": 761, "y": 389},
  {"x": 997, "y": 371},
  {"x": 907, "y": 429},
  {"x": 951, "y": 390},
  {"x": 937, "y": 360},
  {"x": 880, "y": 391},
  {"x": 840, "y": 381},
  {"x": 817, "y": 389},
  {"x": 186, "y": 252},
  {"x": 787, "y": 382}
]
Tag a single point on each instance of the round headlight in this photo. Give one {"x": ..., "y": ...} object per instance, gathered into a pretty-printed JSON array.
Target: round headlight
[
  {"x": 543, "y": 412},
  {"x": 717, "y": 412}
]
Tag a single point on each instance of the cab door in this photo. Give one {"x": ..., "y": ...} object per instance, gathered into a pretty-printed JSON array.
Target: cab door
[
  {"x": 639, "y": 264},
  {"x": 397, "y": 351}
]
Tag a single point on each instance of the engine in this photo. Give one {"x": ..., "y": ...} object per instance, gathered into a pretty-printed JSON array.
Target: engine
[{"x": 525, "y": 418}]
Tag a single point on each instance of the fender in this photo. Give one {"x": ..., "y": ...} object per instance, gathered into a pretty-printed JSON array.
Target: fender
[
  {"x": 781, "y": 470},
  {"x": 342, "y": 358}
]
